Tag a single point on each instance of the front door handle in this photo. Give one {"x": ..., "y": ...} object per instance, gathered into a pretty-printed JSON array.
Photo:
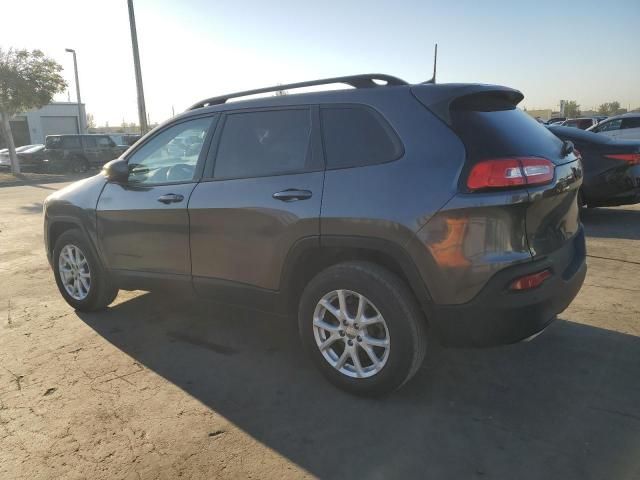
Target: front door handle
[
  {"x": 170, "y": 198},
  {"x": 292, "y": 194}
]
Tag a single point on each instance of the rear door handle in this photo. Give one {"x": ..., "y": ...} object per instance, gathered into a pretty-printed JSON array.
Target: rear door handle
[
  {"x": 291, "y": 195},
  {"x": 170, "y": 198}
]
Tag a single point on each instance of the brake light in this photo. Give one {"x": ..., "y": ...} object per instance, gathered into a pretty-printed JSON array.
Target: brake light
[
  {"x": 508, "y": 172},
  {"x": 530, "y": 281},
  {"x": 632, "y": 158}
]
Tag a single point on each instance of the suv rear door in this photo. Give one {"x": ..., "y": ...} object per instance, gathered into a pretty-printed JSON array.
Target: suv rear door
[
  {"x": 261, "y": 194},
  {"x": 107, "y": 149},
  {"x": 90, "y": 149}
]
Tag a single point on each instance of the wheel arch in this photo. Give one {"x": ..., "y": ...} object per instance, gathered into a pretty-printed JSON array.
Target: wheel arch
[
  {"x": 58, "y": 225},
  {"x": 311, "y": 255}
]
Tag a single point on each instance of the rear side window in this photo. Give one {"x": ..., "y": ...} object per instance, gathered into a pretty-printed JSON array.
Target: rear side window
[
  {"x": 357, "y": 136},
  {"x": 631, "y": 123},
  {"x": 503, "y": 132},
  {"x": 257, "y": 144}
]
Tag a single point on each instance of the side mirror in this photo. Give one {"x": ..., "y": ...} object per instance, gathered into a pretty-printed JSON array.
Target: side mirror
[{"x": 116, "y": 170}]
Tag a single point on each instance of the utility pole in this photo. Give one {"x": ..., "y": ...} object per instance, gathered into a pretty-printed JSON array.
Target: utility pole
[
  {"x": 75, "y": 69},
  {"x": 142, "y": 111}
]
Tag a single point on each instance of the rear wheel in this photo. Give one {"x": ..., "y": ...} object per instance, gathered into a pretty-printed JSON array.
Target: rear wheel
[
  {"x": 362, "y": 327},
  {"x": 78, "y": 165},
  {"x": 80, "y": 277}
]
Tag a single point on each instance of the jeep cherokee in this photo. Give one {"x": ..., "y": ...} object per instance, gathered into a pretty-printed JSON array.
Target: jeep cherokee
[{"x": 371, "y": 212}]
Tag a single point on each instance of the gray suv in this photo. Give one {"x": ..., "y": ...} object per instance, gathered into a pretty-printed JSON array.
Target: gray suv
[{"x": 380, "y": 216}]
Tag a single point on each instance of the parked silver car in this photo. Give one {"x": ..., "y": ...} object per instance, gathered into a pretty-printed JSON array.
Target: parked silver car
[{"x": 621, "y": 127}]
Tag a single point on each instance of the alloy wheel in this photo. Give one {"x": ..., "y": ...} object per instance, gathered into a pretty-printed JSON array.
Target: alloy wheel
[
  {"x": 351, "y": 333},
  {"x": 74, "y": 271}
]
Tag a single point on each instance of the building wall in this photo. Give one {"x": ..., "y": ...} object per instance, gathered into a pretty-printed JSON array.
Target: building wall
[{"x": 61, "y": 114}]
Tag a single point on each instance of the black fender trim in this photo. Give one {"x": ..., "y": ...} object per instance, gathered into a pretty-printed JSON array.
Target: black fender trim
[
  {"x": 390, "y": 249},
  {"x": 51, "y": 221}
]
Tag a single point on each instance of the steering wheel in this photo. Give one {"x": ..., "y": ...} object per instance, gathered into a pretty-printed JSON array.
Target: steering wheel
[{"x": 180, "y": 171}]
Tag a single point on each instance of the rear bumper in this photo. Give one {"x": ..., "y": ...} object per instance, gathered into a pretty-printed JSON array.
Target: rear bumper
[{"x": 497, "y": 316}]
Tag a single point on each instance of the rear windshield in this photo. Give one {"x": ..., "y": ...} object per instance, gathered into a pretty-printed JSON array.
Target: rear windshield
[{"x": 504, "y": 132}]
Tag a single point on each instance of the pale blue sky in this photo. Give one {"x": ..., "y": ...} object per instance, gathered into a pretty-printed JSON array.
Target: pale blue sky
[{"x": 583, "y": 50}]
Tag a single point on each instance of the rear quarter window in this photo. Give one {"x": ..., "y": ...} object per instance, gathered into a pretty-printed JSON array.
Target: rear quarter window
[
  {"x": 505, "y": 132},
  {"x": 355, "y": 136}
]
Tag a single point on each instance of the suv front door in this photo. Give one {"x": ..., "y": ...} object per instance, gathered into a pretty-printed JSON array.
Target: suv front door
[
  {"x": 143, "y": 224},
  {"x": 262, "y": 195}
]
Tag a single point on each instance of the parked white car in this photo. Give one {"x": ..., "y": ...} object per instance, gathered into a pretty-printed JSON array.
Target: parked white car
[{"x": 621, "y": 127}]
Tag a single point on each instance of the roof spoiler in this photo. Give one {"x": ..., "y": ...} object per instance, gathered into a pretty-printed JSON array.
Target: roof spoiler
[{"x": 445, "y": 97}]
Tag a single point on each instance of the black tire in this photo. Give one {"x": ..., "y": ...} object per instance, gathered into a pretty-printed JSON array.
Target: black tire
[
  {"x": 404, "y": 320},
  {"x": 101, "y": 291}
]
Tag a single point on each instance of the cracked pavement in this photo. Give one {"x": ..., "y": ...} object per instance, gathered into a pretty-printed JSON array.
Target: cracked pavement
[{"x": 161, "y": 387}]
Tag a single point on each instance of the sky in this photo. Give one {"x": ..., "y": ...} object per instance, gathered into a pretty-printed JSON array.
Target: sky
[{"x": 584, "y": 50}]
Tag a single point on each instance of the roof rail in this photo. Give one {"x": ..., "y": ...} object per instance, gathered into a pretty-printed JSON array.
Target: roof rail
[{"x": 357, "y": 81}]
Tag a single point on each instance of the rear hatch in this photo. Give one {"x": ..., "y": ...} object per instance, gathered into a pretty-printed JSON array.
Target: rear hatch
[{"x": 494, "y": 130}]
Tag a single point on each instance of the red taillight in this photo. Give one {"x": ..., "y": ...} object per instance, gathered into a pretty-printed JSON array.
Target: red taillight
[
  {"x": 508, "y": 172},
  {"x": 530, "y": 281},
  {"x": 632, "y": 158}
]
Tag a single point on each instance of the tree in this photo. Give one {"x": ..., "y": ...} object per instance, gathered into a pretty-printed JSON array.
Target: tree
[
  {"x": 27, "y": 80},
  {"x": 91, "y": 121},
  {"x": 571, "y": 109},
  {"x": 610, "y": 108}
]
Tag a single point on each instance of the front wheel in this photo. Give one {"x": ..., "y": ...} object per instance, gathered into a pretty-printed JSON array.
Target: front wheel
[
  {"x": 80, "y": 277},
  {"x": 362, "y": 328}
]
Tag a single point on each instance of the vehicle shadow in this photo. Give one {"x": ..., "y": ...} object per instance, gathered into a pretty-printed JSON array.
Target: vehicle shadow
[
  {"x": 35, "y": 207},
  {"x": 566, "y": 405},
  {"x": 611, "y": 223}
]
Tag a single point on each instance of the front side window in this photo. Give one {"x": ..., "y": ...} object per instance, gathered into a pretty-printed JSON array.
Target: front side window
[
  {"x": 71, "y": 142},
  {"x": 257, "y": 144},
  {"x": 611, "y": 125},
  {"x": 53, "y": 142},
  {"x": 356, "y": 136},
  {"x": 90, "y": 142},
  {"x": 170, "y": 156}
]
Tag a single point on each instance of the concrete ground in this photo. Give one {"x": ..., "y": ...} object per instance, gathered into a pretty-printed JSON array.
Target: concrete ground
[{"x": 157, "y": 387}]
